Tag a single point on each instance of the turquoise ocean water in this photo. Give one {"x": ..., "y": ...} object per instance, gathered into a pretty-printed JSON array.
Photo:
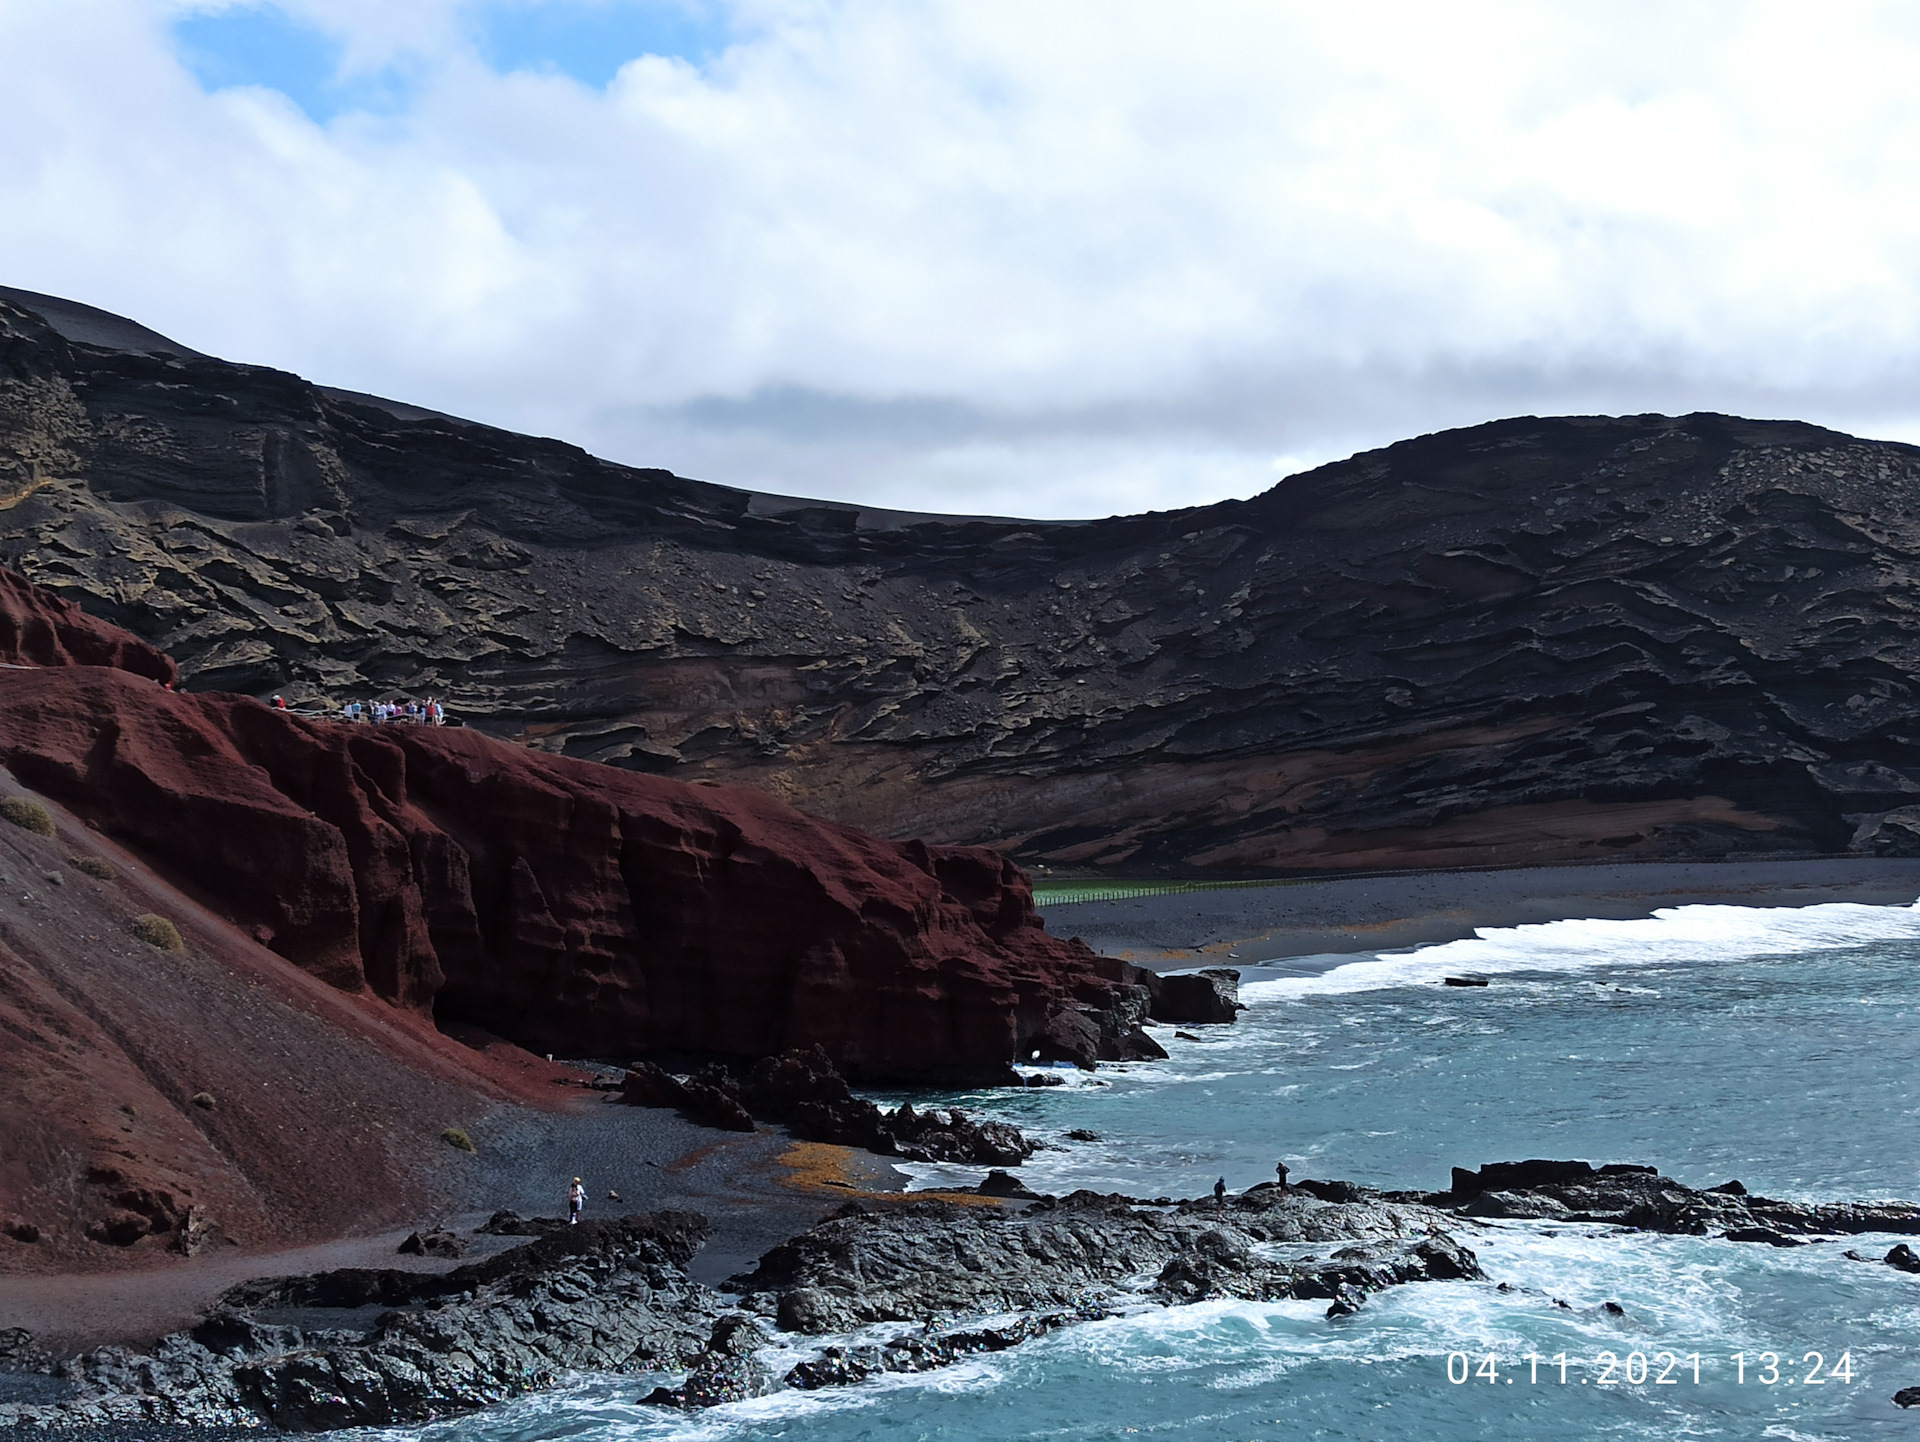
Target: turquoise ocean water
[{"x": 1778, "y": 1047}]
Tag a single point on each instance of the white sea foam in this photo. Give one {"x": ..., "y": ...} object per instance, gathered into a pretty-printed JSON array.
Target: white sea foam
[{"x": 1675, "y": 934}]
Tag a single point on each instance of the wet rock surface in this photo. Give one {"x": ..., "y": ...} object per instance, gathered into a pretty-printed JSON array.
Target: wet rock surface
[
  {"x": 1538, "y": 639},
  {"x": 936, "y": 1259},
  {"x": 1639, "y": 1197}
]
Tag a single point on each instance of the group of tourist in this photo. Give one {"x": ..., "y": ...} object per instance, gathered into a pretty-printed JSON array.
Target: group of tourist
[
  {"x": 386, "y": 713},
  {"x": 383, "y": 713}
]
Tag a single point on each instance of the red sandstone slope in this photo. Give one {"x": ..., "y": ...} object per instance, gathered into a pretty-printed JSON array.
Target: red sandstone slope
[
  {"x": 38, "y": 628},
  {"x": 563, "y": 904},
  {"x": 318, "y": 1115}
]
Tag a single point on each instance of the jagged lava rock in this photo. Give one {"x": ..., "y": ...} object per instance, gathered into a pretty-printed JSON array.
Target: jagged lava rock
[{"x": 568, "y": 905}]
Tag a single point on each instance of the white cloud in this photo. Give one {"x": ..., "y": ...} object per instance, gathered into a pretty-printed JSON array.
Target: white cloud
[{"x": 1100, "y": 254}]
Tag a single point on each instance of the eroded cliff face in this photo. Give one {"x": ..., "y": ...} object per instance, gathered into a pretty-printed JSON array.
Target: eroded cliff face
[
  {"x": 565, "y": 905},
  {"x": 1536, "y": 639}
]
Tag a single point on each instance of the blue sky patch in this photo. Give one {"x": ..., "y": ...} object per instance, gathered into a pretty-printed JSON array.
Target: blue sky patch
[
  {"x": 591, "y": 39},
  {"x": 587, "y": 39},
  {"x": 266, "y": 47}
]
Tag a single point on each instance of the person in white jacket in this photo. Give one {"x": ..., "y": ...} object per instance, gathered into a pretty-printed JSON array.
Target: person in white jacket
[{"x": 576, "y": 1199}]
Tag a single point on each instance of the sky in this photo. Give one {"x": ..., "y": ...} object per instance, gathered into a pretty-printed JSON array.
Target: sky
[{"x": 1054, "y": 259}]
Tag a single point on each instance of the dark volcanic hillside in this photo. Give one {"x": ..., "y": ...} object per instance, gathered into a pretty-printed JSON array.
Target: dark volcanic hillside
[{"x": 1533, "y": 639}]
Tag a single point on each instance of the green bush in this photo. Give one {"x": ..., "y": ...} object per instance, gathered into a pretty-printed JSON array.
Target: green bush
[
  {"x": 158, "y": 931},
  {"x": 454, "y": 1137},
  {"x": 28, "y": 814},
  {"x": 94, "y": 866}
]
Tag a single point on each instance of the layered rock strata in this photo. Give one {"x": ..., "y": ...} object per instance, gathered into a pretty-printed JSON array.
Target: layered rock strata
[{"x": 1539, "y": 639}]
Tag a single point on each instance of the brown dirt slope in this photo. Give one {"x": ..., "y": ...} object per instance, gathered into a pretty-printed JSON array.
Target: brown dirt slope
[{"x": 324, "y": 1117}]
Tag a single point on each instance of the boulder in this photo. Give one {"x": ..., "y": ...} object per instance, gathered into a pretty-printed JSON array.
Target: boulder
[
  {"x": 803, "y": 1092},
  {"x": 1888, "y": 833},
  {"x": 1767, "y": 1236},
  {"x": 1000, "y": 1183},
  {"x": 1509, "y": 1176},
  {"x": 436, "y": 1242},
  {"x": 1198, "y": 997}
]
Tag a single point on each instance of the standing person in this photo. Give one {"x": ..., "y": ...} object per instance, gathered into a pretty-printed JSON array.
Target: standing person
[
  {"x": 576, "y": 1199},
  {"x": 1220, "y": 1193},
  {"x": 1281, "y": 1168}
]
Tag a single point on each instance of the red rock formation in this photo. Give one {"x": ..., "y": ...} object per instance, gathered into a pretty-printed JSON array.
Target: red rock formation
[
  {"x": 566, "y": 905},
  {"x": 38, "y": 628}
]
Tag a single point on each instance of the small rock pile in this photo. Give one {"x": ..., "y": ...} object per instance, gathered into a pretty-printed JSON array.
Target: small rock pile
[{"x": 803, "y": 1092}]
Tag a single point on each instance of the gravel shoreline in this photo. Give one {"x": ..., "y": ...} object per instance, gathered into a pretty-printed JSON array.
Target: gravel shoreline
[
  {"x": 525, "y": 1159},
  {"x": 1384, "y": 913}
]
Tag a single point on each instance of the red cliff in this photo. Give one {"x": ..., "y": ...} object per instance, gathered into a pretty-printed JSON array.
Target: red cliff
[
  {"x": 568, "y": 906},
  {"x": 38, "y": 628}
]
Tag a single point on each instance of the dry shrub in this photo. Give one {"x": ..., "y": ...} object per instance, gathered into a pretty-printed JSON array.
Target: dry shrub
[
  {"x": 158, "y": 931},
  {"x": 94, "y": 866},
  {"x": 454, "y": 1137},
  {"x": 28, "y": 814}
]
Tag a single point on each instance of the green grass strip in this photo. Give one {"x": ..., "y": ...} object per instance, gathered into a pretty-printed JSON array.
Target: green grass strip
[{"x": 1072, "y": 893}]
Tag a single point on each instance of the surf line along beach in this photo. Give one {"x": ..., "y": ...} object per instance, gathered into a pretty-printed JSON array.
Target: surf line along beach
[{"x": 1276, "y": 926}]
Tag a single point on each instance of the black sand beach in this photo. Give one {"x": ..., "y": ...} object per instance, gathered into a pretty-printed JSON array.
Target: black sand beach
[{"x": 1389, "y": 912}]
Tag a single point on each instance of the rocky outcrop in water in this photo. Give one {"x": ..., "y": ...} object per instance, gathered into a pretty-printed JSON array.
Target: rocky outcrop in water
[
  {"x": 1209, "y": 996},
  {"x": 1536, "y": 639},
  {"x": 1639, "y": 1197},
  {"x": 564, "y": 905},
  {"x": 938, "y": 1259}
]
